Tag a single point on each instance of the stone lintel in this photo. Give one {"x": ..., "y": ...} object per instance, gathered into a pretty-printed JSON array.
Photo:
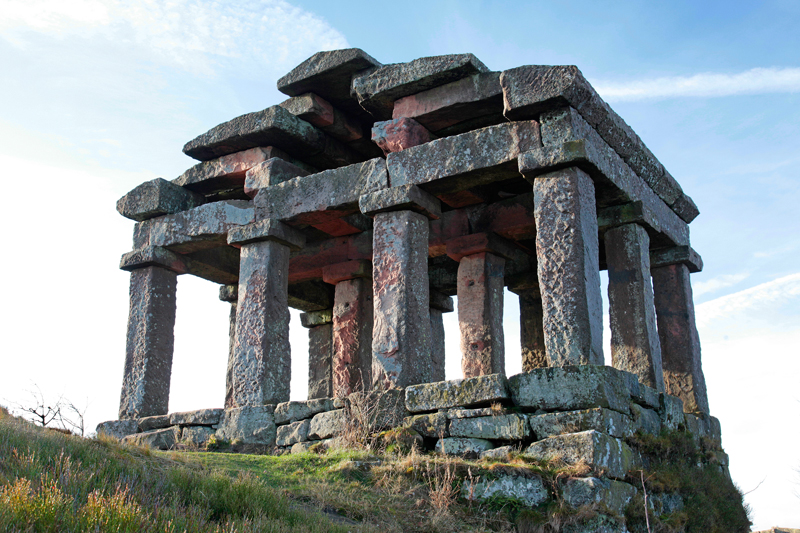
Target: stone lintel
[
  {"x": 319, "y": 112},
  {"x": 378, "y": 90},
  {"x": 525, "y": 282},
  {"x": 477, "y": 243},
  {"x": 153, "y": 256},
  {"x": 400, "y": 133},
  {"x": 402, "y": 198},
  {"x": 266, "y": 230},
  {"x": 155, "y": 198},
  {"x": 312, "y": 295},
  {"x": 313, "y": 319},
  {"x": 678, "y": 254},
  {"x": 441, "y": 302},
  {"x": 270, "y": 172},
  {"x": 333, "y": 274},
  {"x": 307, "y": 264},
  {"x": 229, "y": 293}
]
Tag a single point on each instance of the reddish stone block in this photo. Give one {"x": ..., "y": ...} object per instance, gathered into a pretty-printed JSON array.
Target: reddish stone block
[
  {"x": 333, "y": 274},
  {"x": 480, "y": 314},
  {"x": 680, "y": 343},
  {"x": 352, "y": 336},
  {"x": 308, "y": 263},
  {"x": 634, "y": 340},
  {"x": 400, "y": 133},
  {"x": 477, "y": 243}
]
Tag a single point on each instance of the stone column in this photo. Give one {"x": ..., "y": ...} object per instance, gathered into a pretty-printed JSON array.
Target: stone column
[
  {"x": 635, "y": 346},
  {"x": 680, "y": 343},
  {"x": 261, "y": 352},
  {"x": 401, "y": 335},
  {"x": 230, "y": 293},
  {"x": 531, "y": 328},
  {"x": 352, "y": 326},
  {"x": 568, "y": 267},
  {"x": 320, "y": 352},
  {"x": 151, "y": 321},
  {"x": 440, "y": 304}
]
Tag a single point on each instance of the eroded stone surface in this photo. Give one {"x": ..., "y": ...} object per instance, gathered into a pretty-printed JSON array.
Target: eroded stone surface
[
  {"x": 458, "y": 392},
  {"x": 597, "y": 450},
  {"x": 156, "y": 198},
  {"x": 196, "y": 435},
  {"x": 293, "y": 433},
  {"x": 160, "y": 439},
  {"x": 320, "y": 361},
  {"x": 293, "y": 411},
  {"x": 463, "y": 446},
  {"x": 326, "y": 425},
  {"x": 270, "y": 172},
  {"x": 154, "y": 422},
  {"x": 201, "y": 417},
  {"x": 352, "y": 336},
  {"x": 504, "y": 427},
  {"x": 567, "y": 253},
  {"x": 615, "y": 495},
  {"x": 527, "y": 489},
  {"x": 428, "y": 425},
  {"x": 319, "y": 112},
  {"x": 253, "y": 424},
  {"x": 604, "y": 420},
  {"x": 645, "y": 420},
  {"x": 571, "y": 388},
  {"x": 117, "y": 429},
  {"x": 398, "y": 134},
  {"x": 671, "y": 411}
]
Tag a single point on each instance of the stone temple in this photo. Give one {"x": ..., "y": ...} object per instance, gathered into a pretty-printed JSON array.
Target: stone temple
[{"x": 372, "y": 195}]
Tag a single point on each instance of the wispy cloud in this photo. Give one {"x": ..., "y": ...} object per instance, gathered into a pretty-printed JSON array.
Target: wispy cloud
[
  {"x": 769, "y": 301},
  {"x": 705, "y": 84},
  {"x": 720, "y": 282}
]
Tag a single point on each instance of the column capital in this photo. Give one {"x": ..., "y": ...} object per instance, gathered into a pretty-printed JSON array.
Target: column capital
[
  {"x": 153, "y": 256},
  {"x": 402, "y": 198},
  {"x": 441, "y": 302},
  {"x": 677, "y": 255},
  {"x": 525, "y": 282},
  {"x": 333, "y": 274},
  {"x": 312, "y": 319},
  {"x": 477, "y": 243},
  {"x": 269, "y": 229}
]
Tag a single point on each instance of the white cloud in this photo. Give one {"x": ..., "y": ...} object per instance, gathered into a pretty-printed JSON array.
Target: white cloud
[
  {"x": 189, "y": 34},
  {"x": 771, "y": 301},
  {"x": 705, "y": 84},
  {"x": 714, "y": 284}
]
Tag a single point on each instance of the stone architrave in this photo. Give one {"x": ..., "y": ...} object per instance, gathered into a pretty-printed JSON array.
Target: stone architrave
[
  {"x": 480, "y": 314},
  {"x": 634, "y": 339},
  {"x": 568, "y": 267},
  {"x": 401, "y": 338},
  {"x": 230, "y": 293},
  {"x": 531, "y": 327},
  {"x": 262, "y": 354},
  {"x": 680, "y": 343},
  {"x": 352, "y": 336},
  {"x": 150, "y": 342},
  {"x": 320, "y": 353}
]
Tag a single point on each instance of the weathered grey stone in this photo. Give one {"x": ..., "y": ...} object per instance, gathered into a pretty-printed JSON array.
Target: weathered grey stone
[
  {"x": 273, "y": 126},
  {"x": 703, "y": 426},
  {"x": 312, "y": 295},
  {"x": 154, "y": 422},
  {"x": 378, "y": 90},
  {"x": 262, "y": 353},
  {"x": 599, "y": 419},
  {"x": 529, "y": 90},
  {"x": 293, "y": 433},
  {"x": 329, "y": 74},
  {"x": 154, "y": 256},
  {"x": 229, "y": 293},
  {"x": 438, "y": 352},
  {"x": 570, "y": 388},
  {"x": 641, "y": 394},
  {"x": 319, "y": 112},
  {"x": 148, "y": 352},
  {"x": 598, "y": 523},
  {"x": 480, "y": 314},
  {"x": 316, "y": 318},
  {"x": 498, "y": 454},
  {"x": 155, "y": 198},
  {"x": 472, "y": 413},
  {"x": 671, "y": 411},
  {"x": 568, "y": 257},
  {"x": 473, "y": 97},
  {"x": 352, "y": 335},
  {"x": 401, "y": 336},
  {"x": 463, "y": 446},
  {"x": 269, "y": 229},
  {"x": 531, "y": 326},
  {"x": 252, "y": 424},
  {"x": 379, "y": 409},
  {"x": 677, "y": 254},
  {"x": 428, "y": 425},
  {"x": 680, "y": 343},
  {"x": 160, "y": 439},
  {"x": 685, "y": 208},
  {"x": 196, "y": 435},
  {"x": 270, "y": 172},
  {"x": 293, "y": 411},
  {"x": 465, "y": 161},
  {"x": 569, "y": 141},
  {"x": 645, "y": 420},
  {"x": 529, "y": 490},
  {"x": 302, "y": 447},
  {"x": 634, "y": 338},
  {"x": 597, "y": 450},
  {"x": 201, "y": 417},
  {"x": 326, "y": 425},
  {"x": 458, "y": 392},
  {"x": 196, "y": 229},
  {"x": 229, "y": 171},
  {"x": 318, "y": 198},
  {"x": 442, "y": 302},
  {"x": 590, "y": 491},
  {"x": 117, "y": 429},
  {"x": 667, "y": 502},
  {"x": 320, "y": 361},
  {"x": 504, "y": 427},
  {"x": 402, "y": 197},
  {"x": 234, "y": 295}
]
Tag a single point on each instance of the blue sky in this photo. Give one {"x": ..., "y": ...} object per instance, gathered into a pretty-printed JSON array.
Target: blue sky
[{"x": 100, "y": 95}]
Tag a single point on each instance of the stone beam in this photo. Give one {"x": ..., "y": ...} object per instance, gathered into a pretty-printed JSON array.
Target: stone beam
[
  {"x": 155, "y": 198},
  {"x": 308, "y": 263}
]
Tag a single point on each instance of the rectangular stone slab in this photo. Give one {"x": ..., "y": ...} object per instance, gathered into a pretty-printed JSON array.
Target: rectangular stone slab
[
  {"x": 329, "y": 74},
  {"x": 200, "y": 228},
  {"x": 319, "y": 112},
  {"x": 503, "y": 427},
  {"x": 530, "y": 90},
  {"x": 457, "y": 392},
  {"x": 308, "y": 263},
  {"x": 273, "y": 126},
  {"x": 599, "y": 419},
  {"x": 571, "y": 388},
  {"x": 464, "y": 161},
  {"x": 320, "y": 197},
  {"x": 479, "y": 95},
  {"x": 156, "y": 198},
  {"x": 678, "y": 254},
  {"x": 378, "y": 90}
]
